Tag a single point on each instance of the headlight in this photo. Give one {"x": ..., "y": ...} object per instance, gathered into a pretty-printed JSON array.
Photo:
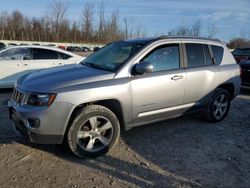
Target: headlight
[{"x": 36, "y": 99}]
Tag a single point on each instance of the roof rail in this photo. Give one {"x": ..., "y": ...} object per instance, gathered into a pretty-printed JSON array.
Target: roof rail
[{"x": 188, "y": 37}]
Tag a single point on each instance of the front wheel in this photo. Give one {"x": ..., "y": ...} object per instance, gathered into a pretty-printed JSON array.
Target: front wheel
[
  {"x": 94, "y": 131},
  {"x": 218, "y": 106}
]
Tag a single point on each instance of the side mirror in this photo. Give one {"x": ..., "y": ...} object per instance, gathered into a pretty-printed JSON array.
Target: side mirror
[{"x": 144, "y": 67}]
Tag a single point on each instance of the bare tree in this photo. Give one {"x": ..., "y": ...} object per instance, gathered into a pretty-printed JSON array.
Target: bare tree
[
  {"x": 180, "y": 31},
  {"x": 211, "y": 31},
  {"x": 75, "y": 32},
  {"x": 129, "y": 28},
  {"x": 58, "y": 9},
  {"x": 195, "y": 29},
  {"x": 112, "y": 29},
  {"x": 126, "y": 27},
  {"x": 139, "y": 31},
  {"x": 36, "y": 29},
  {"x": 15, "y": 25},
  {"x": 132, "y": 29},
  {"x": 65, "y": 30},
  {"x": 87, "y": 26},
  {"x": 183, "y": 30},
  {"x": 3, "y": 24},
  {"x": 102, "y": 23}
]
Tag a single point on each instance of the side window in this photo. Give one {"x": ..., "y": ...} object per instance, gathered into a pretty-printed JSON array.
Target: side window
[
  {"x": 63, "y": 55},
  {"x": 207, "y": 55},
  {"x": 164, "y": 57},
  {"x": 195, "y": 55},
  {"x": 15, "y": 54},
  {"x": 44, "y": 54},
  {"x": 218, "y": 53}
]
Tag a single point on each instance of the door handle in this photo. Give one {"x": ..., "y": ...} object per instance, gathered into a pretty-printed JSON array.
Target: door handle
[
  {"x": 177, "y": 77},
  {"x": 25, "y": 64}
]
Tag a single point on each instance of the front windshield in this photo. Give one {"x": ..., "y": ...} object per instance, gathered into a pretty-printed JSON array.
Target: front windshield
[
  {"x": 112, "y": 56},
  {"x": 245, "y": 51}
]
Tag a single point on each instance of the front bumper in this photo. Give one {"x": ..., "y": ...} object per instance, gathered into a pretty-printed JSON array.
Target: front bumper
[{"x": 52, "y": 121}]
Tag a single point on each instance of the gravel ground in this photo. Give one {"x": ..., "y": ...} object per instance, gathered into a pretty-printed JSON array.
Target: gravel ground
[{"x": 183, "y": 152}]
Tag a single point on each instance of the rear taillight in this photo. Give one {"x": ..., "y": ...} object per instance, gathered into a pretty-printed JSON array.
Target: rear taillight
[{"x": 241, "y": 72}]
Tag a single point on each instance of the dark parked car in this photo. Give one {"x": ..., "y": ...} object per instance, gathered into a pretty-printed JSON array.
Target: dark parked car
[
  {"x": 12, "y": 44},
  {"x": 96, "y": 49},
  {"x": 241, "y": 54},
  {"x": 2, "y": 45},
  {"x": 73, "y": 49},
  {"x": 245, "y": 73},
  {"x": 85, "y": 49},
  {"x": 51, "y": 45}
]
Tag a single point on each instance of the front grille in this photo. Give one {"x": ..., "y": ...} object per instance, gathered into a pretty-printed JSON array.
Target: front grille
[{"x": 18, "y": 96}]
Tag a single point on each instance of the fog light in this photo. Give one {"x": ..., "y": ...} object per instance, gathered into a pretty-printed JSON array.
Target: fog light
[{"x": 33, "y": 123}]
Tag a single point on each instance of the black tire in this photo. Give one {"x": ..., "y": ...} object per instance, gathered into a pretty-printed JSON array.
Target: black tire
[
  {"x": 212, "y": 108},
  {"x": 86, "y": 141}
]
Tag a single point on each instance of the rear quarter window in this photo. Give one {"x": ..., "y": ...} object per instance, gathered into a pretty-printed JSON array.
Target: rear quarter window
[
  {"x": 218, "y": 53},
  {"x": 63, "y": 55}
]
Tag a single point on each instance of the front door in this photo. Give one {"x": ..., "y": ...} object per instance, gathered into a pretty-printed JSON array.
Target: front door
[{"x": 159, "y": 94}]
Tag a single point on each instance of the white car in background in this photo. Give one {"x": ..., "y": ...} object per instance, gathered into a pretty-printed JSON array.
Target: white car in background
[{"x": 18, "y": 60}]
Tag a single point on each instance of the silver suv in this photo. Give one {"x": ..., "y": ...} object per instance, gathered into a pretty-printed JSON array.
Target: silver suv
[{"x": 124, "y": 85}]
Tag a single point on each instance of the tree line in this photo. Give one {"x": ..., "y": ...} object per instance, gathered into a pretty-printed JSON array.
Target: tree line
[
  {"x": 239, "y": 43},
  {"x": 195, "y": 29},
  {"x": 95, "y": 26}
]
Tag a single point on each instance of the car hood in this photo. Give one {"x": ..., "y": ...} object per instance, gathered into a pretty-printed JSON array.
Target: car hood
[
  {"x": 60, "y": 77},
  {"x": 245, "y": 65}
]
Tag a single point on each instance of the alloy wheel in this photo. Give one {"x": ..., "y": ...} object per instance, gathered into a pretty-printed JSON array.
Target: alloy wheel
[
  {"x": 95, "y": 134},
  {"x": 220, "y": 106}
]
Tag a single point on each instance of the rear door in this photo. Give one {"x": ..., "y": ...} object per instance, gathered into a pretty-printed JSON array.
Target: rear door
[
  {"x": 202, "y": 74},
  {"x": 14, "y": 63}
]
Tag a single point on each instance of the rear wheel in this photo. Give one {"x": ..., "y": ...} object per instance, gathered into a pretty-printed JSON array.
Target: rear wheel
[
  {"x": 218, "y": 106},
  {"x": 94, "y": 132}
]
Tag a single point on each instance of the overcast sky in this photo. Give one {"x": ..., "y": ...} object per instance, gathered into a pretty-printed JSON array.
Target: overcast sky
[{"x": 231, "y": 18}]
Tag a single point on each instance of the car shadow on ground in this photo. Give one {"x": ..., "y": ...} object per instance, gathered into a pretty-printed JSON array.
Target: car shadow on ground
[
  {"x": 7, "y": 93},
  {"x": 6, "y": 130},
  {"x": 185, "y": 151},
  {"x": 142, "y": 165}
]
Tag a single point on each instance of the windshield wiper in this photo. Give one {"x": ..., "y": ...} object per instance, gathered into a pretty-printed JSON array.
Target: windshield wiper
[
  {"x": 95, "y": 66},
  {"x": 92, "y": 65}
]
